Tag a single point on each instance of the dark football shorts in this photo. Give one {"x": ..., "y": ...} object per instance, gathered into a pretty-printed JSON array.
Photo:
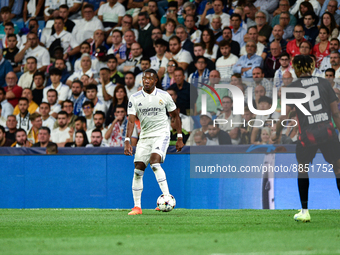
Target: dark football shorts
[{"x": 330, "y": 151}]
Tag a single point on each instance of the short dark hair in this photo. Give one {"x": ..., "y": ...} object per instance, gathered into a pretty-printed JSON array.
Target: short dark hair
[
  {"x": 20, "y": 130},
  {"x": 105, "y": 69},
  {"x": 66, "y": 101},
  {"x": 330, "y": 70},
  {"x": 129, "y": 72},
  {"x": 23, "y": 99},
  {"x": 52, "y": 148},
  {"x": 97, "y": 130},
  {"x": 59, "y": 18},
  {"x": 12, "y": 35},
  {"x": 3, "y": 91},
  {"x": 85, "y": 42},
  {"x": 52, "y": 90},
  {"x": 120, "y": 106},
  {"x": 55, "y": 71},
  {"x": 111, "y": 56},
  {"x": 200, "y": 57},
  {"x": 251, "y": 28},
  {"x": 82, "y": 119},
  {"x": 145, "y": 14},
  {"x": 211, "y": 123},
  {"x": 175, "y": 37},
  {"x": 88, "y": 103},
  {"x": 39, "y": 73},
  {"x": 10, "y": 23},
  {"x": 179, "y": 69},
  {"x": 62, "y": 113},
  {"x": 49, "y": 106},
  {"x": 100, "y": 113},
  {"x": 236, "y": 15},
  {"x": 2, "y": 128},
  {"x": 224, "y": 43},
  {"x": 89, "y": 6},
  {"x": 144, "y": 58},
  {"x": 47, "y": 129},
  {"x": 5, "y": 9},
  {"x": 284, "y": 54},
  {"x": 31, "y": 57},
  {"x": 266, "y": 100},
  {"x": 64, "y": 6},
  {"x": 79, "y": 82},
  {"x": 161, "y": 42},
  {"x": 227, "y": 28},
  {"x": 92, "y": 86}
]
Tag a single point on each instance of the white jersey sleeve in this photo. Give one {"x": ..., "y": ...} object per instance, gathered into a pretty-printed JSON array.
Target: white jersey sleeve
[
  {"x": 132, "y": 107},
  {"x": 170, "y": 104}
]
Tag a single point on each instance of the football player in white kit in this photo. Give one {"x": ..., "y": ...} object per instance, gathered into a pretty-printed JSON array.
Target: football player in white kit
[{"x": 150, "y": 106}]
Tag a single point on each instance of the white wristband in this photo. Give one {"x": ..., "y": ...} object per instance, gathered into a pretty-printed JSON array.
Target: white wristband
[
  {"x": 127, "y": 139},
  {"x": 179, "y": 136}
]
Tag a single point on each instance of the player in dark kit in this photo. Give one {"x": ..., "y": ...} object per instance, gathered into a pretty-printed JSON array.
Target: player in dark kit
[{"x": 316, "y": 131}]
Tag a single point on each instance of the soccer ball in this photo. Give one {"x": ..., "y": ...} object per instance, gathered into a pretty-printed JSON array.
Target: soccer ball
[{"x": 166, "y": 203}]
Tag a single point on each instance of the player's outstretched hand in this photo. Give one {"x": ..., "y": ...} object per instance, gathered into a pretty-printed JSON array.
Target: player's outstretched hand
[
  {"x": 179, "y": 144},
  {"x": 128, "y": 149}
]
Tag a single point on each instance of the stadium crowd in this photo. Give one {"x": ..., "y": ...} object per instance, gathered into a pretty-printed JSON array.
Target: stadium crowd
[{"x": 68, "y": 67}]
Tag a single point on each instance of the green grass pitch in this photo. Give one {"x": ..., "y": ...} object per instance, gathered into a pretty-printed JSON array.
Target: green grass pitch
[{"x": 218, "y": 232}]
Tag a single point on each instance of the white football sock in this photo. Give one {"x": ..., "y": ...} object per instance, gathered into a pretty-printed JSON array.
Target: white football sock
[
  {"x": 161, "y": 178},
  {"x": 304, "y": 211},
  {"x": 137, "y": 187}
]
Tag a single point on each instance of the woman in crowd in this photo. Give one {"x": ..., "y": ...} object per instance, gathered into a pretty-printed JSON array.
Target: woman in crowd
[
  {"x": 119, "y": 98},
  {"x": 328, "y": 21},
  {"x": 80, "y": 140},
  {"x": 321, "y": 49},
  {"x": 168, "y": 78},
  {"x": 304, "y": 7},
  {"x": 211, "y": 48},
  {"x": 265, "y": 135}
]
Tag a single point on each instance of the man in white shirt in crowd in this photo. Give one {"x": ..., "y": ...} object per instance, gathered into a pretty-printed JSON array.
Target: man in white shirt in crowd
[
  {"x": 160, "y": 48},
  {"x": 88, "y": 114},
  {"x": 52, "y": 99},
  {"x": 182, "y": 57},
  {"x": 225, "y": 63},
  {"x": 97, "y": 139},
  {"x": 7, "y": 108},
  {"x": 252, "y": 34},
  {"x": 62, "y": 90},
  {"x": 111, "y": 14},
  {"x": 130, "y": 84},
  {"x": 33, "y": 49},
  {"x": 44, "y": 110},
  {"x": 85, "y": 28},
  {"x": 145, "y": 64},
  {"x": 218, "y": 9},
  {"x": 26, "y": 80},
  {"x": 86, "y": 68},
  {"x": 24, "y": 115},
  {"x": 91, "y": 95},
  {"x": 99, "y": 120},
  {"x": 106, "y": 87},
  {"x": 61, "y": 134}
]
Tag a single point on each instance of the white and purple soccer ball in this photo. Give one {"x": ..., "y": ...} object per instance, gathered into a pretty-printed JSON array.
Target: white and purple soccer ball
[{"x": 166, "y": 203}]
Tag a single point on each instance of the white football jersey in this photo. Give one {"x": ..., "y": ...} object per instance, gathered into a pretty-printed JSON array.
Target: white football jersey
[{"x": 151, "y": 111}]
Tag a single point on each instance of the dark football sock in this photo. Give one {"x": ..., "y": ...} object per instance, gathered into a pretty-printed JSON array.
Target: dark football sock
[
  {"x": 338, "y": 181},
  {"x": 303, "y": 184}
]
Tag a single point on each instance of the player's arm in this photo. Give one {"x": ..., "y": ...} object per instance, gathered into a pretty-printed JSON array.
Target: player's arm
[
  {"x": 179, "y": 144},
  {"x": 335, "y": 114},
  {"x": 279, "y": 126},
  {"x": 129, "y": 130}
]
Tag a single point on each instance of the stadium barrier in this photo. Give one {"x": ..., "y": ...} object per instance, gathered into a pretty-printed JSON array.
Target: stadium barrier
[{"x": 102, "y": 178}]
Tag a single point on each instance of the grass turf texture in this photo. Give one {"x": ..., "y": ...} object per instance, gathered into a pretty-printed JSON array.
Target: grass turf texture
[{"x": 72, "y": 231}]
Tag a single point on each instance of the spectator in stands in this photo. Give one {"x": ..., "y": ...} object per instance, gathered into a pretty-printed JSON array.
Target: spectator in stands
[
  {"x": 250, "y": 11},
  {"x": 4, "y": 142},
  {"x": 10, "y": 51},
  {"x": 327, "y": 20},
  {"x": 77, "y": 96},
  {"x": 85, "y": 28},
  {"x": 84, "y": 47},
  {"x": 199, "y": 50},
  {"x": 228, "y": 36},
  {"x": 211, "y": 48},
  {"x": 284, "y": 59},
  {"x": 63, "y": 90},
  {"x": 2, "y": 119},
  {"x": 173, "y": 133},
  {"x": 187, "y": 94},
  {"x": 38, "y": 92},
  {"x": 52, "y": 149},
  {"x": 145, "y": 64},
  {"x": 287, "y": 29},
  {"x": 293, "y": 46},
  {"x": 173, "y": 94},
  {"x": 52, "y": 9},
  {"x": 116, "y": 132},
  {"x": 61, "y": 134},
  {"x": 182, "y": 34},
  {"x": 333, "y": 46},
  {"x": 248, "y": 127},
  {"x": 26, "y": 80},
  {"x": 321, "y": 49},
  {"x": 13, "y": 91},
  {"x": 111, "y": 14},
  {"x": 52, "y": 99},
  {"x": 21, "y": 139},
  {"x": 6, "y": 16},
  {"x": 5, "y": 68},
  {"x": 44, "y": 135},
  {"x": 305, "y": 48},
  {"x": 216, "y": 136},
  {"x": 169, "y": 28},
  {"x": 7, "y": 108},
  {"x": 238, "y": 32},
  {"x": 44, "y": 110},
  {"x": 248, "y": 62},
  {"x": 330, "y": 76},
  {"x": 127, "y": 26},
  {"x": 119, "y": 98},
  {"x": 60, "y": 37},
  {"x": 332, "y": 8},
  {"x": 277, "y": 36},
  {"x": 130, "y": 84},
  {"x": 169, "y": 78},
  {"x": 133, "y": 65},
  {"x": 11, "y": 125},
  {"x": 296, "y": 8},
  {"x": 309, "y": 26},
  {"x": 85, "y": 79},
  {"x": 97, "y": 139},
  {"x": 86, "y": 68},
  {"x": 33, "y": 133},
  {"x": 91, "y": 95},
  {"x": 252, "y": 34},
  {"x": 216, "y": 25},
  {"x": 201, "y": 75},
  {"x": 226, "y": 63},
  {"x": 100, "y": 61},
  {"x": 172, "y": 13},
  {"x": 204, "y": 120},
  {"x": 182, "y": 57},
  {"x": 156, "y": 33},
  {"x": 61, "y": 65},
  {"x": 116, "y": 77},
  {"x": 287, "y": 78},
  {"x": 63, "y": 12},
  {"x": 67, "y": 106},
  {"x": 118, "y": 49},
  {"x": 218, "y": 10},
  {"x": 258, "y": 79},
  {"x": 9, "y": 30},
  {"x": 266, "y": 5},
  {"x": 80, "y": 140},
  {"x": 80, "y": 123},
  {"x": 145, "y": 34},
  {"x": 88, "y": 113},
  {"x": 23, "y": 115},
  {"x": 32, "y": 48},
  {"x": 272, "y": 62},
  {"x": 160, "y": 48},
  {"x": 194, "y": 33},
  {"x": 32, "y": 106},
  {"x": 335, "y": 63},
  {"x": 283, "y": 7},
  {"x": 200, "y": 139},
  {"x": 263, "y": 28},
  {"x": 106, "y": 87}
]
